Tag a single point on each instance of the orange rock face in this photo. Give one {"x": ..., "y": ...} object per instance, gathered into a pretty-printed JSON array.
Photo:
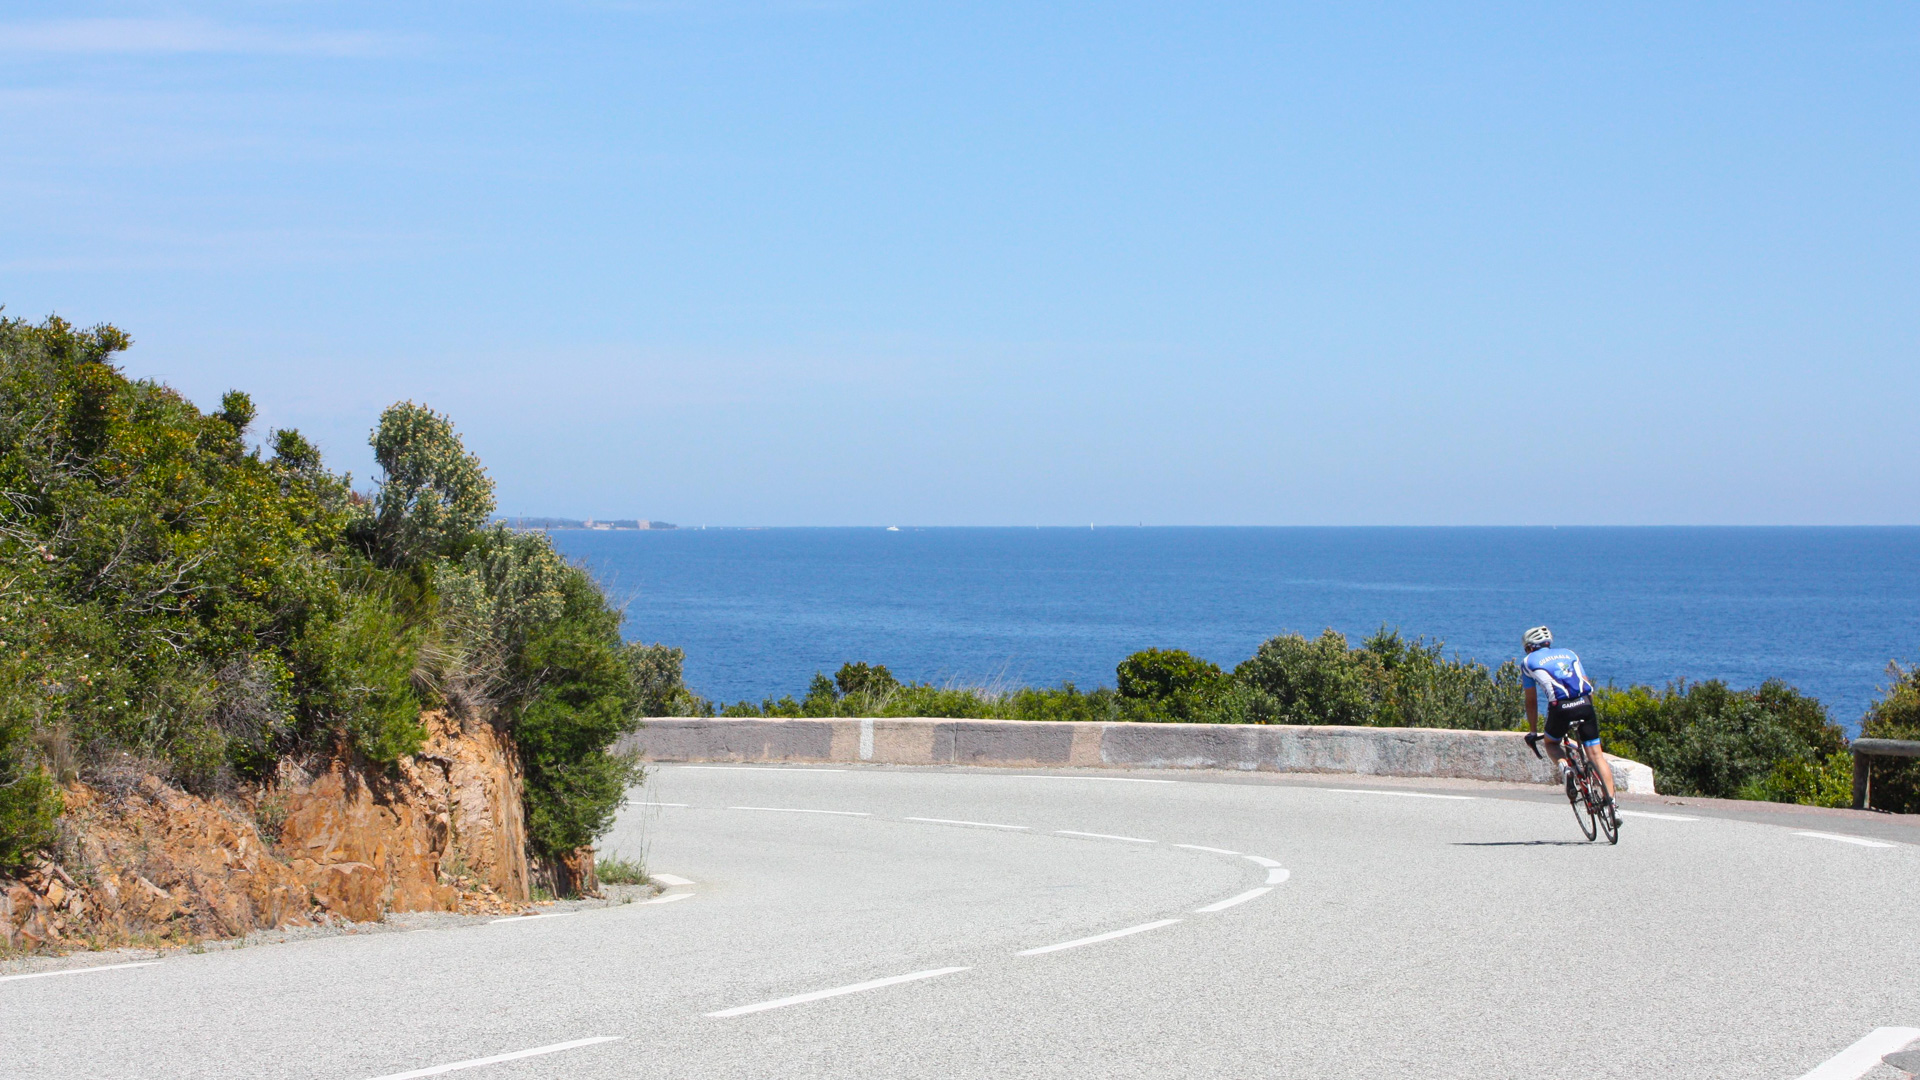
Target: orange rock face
[{"x": 443, "y": 831}]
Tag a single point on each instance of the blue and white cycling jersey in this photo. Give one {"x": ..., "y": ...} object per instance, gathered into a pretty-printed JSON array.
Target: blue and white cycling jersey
[{"x": 1558, "y": 674}]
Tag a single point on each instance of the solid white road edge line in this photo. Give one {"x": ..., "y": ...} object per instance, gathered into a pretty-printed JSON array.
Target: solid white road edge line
[
  {"x": 797, "y": 810},
  {"x": 670, "y": 879},
  {"x": 681, "y": 805},
  {"x": 976, "y": 824},
  {"x": 531, "y": 918},
  {"x": 1397, "y": 794},
  {"x": 436, "y": 1070},
  {"x": 1104, "y": 836},
  {"x": 1277, "y": 875},
  {"x": 1111, "y": 779},
  {"x": 1656, "y": 817},
  {"x": 1861, "y": 1058},
  {"x": 1203, "y": 847},
  {"x": 76, "y": 971},
  {"x": 669, "y": 898},
  {"x": 1860, "y": 840},
  {"x": 1258, "y": 861},
  {"x": 1250, "y": 894},
  {"x": 856, "y": 988},
  {"x": 1095, "y": 939}
]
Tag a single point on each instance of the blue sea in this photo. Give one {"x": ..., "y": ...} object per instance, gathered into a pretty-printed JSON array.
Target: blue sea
[{"x": 759, "y": 611}]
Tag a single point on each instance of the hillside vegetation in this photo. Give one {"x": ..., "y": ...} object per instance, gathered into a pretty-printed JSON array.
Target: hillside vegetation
[{"x": 174, "y": 601}]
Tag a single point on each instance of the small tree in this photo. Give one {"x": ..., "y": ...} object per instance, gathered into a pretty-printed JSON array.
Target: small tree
[{"x": 433, "y": 493}]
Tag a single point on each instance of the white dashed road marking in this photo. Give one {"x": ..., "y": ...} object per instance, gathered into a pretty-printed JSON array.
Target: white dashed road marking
[
  {"x": 1097, "y": 938},
  {"x": 529, "y": 918},
  {"x": 1199, "y": 847},
  {"x": 436, "y": 1070},
  {"x": 975, "y": 824},
  {"x": 1104, "y": 836},
  {"x": 76, "y": 971},
  {"x": 800, "y": 999},
  {"x": 1864, "y": 1056},
  {"x": 1860, "y": 840},
  {"x": 1258, "y": 861},
  {"x": 1231, "y": 901}
]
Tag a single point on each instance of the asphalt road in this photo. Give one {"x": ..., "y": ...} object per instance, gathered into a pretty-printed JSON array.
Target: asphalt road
[{"x": 1282, "y": 927}]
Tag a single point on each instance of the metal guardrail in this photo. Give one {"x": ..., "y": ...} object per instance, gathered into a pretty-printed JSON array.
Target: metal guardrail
[{"x": 1872, "y": 748}]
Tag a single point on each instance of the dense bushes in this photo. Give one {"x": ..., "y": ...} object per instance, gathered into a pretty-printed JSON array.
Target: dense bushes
[
  {"x": 174, "y": 601},
  {"x": 1387, "y": 681},
  {"x": 1771, "y": 743}
]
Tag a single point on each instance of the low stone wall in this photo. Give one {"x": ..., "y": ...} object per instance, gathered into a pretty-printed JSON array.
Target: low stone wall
[{"x": 1470, "y": 755}]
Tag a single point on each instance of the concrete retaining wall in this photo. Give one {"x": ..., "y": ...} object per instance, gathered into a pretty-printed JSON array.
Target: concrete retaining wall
[{"x": 1471, "y": 755}]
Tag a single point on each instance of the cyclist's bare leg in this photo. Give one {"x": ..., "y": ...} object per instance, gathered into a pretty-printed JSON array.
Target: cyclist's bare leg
[{"x": 1602, "y": 766}]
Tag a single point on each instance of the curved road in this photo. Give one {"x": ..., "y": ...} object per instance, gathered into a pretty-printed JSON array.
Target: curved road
[{"x": 889, "y": 922}]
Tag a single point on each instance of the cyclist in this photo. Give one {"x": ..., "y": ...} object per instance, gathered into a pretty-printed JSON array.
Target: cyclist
[{"x": 1557, "y": 674}]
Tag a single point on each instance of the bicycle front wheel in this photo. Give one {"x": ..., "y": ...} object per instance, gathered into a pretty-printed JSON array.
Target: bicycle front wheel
[
  {"x": 1583, "y": 809},
  {"x": 1609, "y": 822}
]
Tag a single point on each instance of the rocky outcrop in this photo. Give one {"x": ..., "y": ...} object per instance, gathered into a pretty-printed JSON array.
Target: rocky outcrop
[
  {"x": 450, "y": 824},
  {"x": 444, "y": 831}
]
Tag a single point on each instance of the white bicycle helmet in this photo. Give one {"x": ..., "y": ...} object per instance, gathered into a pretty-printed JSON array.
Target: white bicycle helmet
[{"x": 1537, "y": 638}]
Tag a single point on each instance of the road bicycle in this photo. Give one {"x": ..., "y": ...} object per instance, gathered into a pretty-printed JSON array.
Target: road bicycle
[{"x": 1585, "y": 790}]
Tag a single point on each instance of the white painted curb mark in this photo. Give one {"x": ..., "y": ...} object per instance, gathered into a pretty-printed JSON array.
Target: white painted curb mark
[
  {"x": 975, "y": 824},
  {"x": 77, "y": 971},
  {"x": 670, "y": 879},
  {"x": 669, "y": 898},
  {"x": 866, "y": 739},
  {"x": 1398, "y": 794},
  {"x": 1095, "y": 939},
  {"x": 856, "y": 988},
  {"x": 436, "y": 1070},
  {"x": 1103, "y": 836},
  {"x": 1859, "y": 840},
  {"x": 1864, "y": 1056},
  {"x": 1250, "y": 894},
  {"x": 1277, "y": 875}
]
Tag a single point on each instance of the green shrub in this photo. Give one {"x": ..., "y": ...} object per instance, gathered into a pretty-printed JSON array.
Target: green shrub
[
  {"x": 574, "y": 697},
  {"x": 29, "y": 801},
  {"x": 1295, "y": 681},
  {"x": 1895, "y": 781},
  {"x": 1707, "y": 739},
  {"x": 1169, "y": 685}
]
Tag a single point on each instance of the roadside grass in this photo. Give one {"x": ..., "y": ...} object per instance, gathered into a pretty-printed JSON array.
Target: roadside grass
[{"x": 616, "y": 869}]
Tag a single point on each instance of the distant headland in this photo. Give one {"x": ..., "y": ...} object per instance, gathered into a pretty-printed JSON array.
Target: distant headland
[{"x": 549, "y": 524}]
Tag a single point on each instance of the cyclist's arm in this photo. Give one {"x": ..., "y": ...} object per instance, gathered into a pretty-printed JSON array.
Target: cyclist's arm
[{"x": 1533, "y": 707}]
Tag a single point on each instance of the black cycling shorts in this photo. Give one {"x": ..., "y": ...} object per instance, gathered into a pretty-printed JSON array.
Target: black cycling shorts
[{"x": 1561, "y": 717}]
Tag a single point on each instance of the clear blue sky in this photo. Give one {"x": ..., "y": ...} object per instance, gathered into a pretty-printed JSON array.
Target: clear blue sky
[{"x": 1194, "y": 263}]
